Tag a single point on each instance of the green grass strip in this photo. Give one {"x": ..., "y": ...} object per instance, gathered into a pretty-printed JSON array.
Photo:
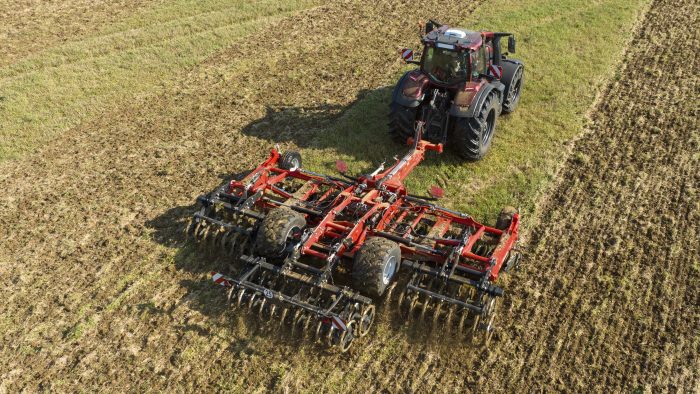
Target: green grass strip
[{"x": 570, "y": 49}]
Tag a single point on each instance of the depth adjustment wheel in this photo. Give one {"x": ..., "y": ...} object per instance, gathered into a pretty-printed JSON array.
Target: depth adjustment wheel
[{"x": 290, "y": 160}]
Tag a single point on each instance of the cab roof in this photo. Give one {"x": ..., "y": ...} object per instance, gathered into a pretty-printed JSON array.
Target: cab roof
[{"x": 453, "y": 38}]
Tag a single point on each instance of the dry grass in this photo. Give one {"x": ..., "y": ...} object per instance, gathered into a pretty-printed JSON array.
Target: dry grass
[{"x": 77, "y": 77}]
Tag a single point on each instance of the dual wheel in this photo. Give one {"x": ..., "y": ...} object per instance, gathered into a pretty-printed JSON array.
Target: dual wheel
[{"x": 375, "y": 264}]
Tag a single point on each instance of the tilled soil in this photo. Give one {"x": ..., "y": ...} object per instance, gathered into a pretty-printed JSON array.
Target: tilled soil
[
  {"x": 609, "y": 299},
  {"x": 100, "y": 291}
]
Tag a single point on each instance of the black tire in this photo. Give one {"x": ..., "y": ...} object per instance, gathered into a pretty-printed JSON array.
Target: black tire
[
  {"x": 289, "y": 160},
  {"x": 513, "y": 78},
  {"x": 505, "y": 217},
  {"x": 275, "y": 231},
  {"x": 375, "y": 266},
  {"x": 402, "y": 122},
  {"x": 472, "y": 136}
]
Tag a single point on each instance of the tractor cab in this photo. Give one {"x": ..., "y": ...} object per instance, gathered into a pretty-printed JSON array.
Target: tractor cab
[
  {"x": 450, "y": 55},
  {"x": 463, "y": 83}
]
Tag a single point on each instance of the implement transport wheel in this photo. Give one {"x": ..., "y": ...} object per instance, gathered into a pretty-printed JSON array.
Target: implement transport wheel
[
  {"x": 278, "y": 231},
  {"x": 472, "y": 137},
  {"x": 402, "y": 122},
  {"x": 513, "y": 79},
  {"x": 375, "y": 266},
  {"x": 505, "y": 217},
  {"x": 290, "y": 160}
]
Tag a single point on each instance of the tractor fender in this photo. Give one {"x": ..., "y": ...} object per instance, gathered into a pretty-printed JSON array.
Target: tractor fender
[
  {"x": 478, "y": 100},
  {"x": 510, "y": 69},
  {"x": 413, "y": 81}
]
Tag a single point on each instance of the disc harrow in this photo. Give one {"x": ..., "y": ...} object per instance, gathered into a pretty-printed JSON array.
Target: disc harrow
[{"x": 320, "y": 250}]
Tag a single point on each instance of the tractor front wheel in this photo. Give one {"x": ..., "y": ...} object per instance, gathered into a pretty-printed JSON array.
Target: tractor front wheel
[
  {"x": 472, "y": 136},
  {"x": 278, "y": 231},
  {"x": 513, "y": 79},
  {"x": 375, "y": 265}
]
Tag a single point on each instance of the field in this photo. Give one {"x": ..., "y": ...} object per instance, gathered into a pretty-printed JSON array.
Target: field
[{"x": 113, "y": 123}]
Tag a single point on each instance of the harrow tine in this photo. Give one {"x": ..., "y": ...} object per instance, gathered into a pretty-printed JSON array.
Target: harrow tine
[
  {"x": 251, "y": 300},
  {"x": 298, "y": 315},
  {"x": 199, "y": 232},
  {"x": 462, "y": 319},
  {"x": 221, "y": 239},
  {"x": 224, "y": 241},
  {"x": 285, "y": 311},
  {"x": 319, "y": 330},
  {"x": 412, "y": 304},
  {"x": 229, "y": 294},
  {"x": 426, "y": 302},
  {"x": 450, "y": 315},
  {"x": 263, "y": 301},
  {"x": 436, "y": 312},
  {"x": 239, "y": 297},
  {"x": 205, "y": 235},
  {"x": 390, "y": 291},
  {"x": 307, "y": 327},
  {"x": 271, "y": 311},
  {"x": 402, "y": 298},
  {"x": 331, "y": 334}
]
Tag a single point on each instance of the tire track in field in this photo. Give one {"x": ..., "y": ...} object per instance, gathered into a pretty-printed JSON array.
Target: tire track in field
[
  {"x": 609, "y": 297},
  {"x": 91, "y": 299}
]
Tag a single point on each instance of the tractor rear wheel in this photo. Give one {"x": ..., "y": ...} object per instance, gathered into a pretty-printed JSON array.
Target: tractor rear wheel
[
  {"x": 375, "y": 266},
  {"x": 513, "y": 79},
  {"x": 402, "y": 121},
  {"x": 278, "y": 229},
  {"x": 472, "y": 136}
]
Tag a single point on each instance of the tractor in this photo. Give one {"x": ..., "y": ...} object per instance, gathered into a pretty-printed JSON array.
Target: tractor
[{"x": 464, "y": 82}]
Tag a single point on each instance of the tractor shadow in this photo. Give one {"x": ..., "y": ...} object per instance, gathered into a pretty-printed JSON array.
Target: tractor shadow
[{"x": 358, "y": 132}]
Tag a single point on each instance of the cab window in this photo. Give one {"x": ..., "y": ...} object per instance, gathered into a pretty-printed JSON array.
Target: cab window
[{"x": 479, "y": 61}]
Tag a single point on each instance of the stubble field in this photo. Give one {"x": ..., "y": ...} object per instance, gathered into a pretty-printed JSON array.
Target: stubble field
[{"x": 101, "y": 289}]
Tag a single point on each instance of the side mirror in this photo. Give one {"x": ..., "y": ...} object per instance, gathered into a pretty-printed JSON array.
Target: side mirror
[
  {"x": 511, "y": 44},
  {"x": 429, "y": 26}
]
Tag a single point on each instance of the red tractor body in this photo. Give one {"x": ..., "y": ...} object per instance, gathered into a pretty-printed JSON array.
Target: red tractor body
[{"x": 465, "y": 81}]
